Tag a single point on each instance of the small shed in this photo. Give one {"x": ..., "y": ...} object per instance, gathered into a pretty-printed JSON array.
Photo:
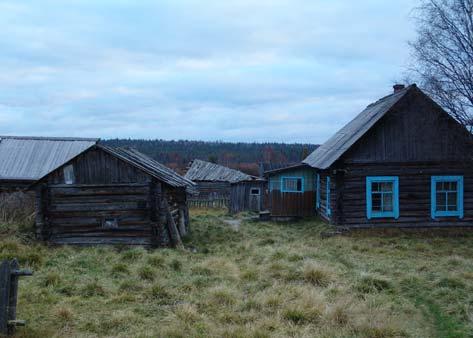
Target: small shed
[
  {"x": 402, "y": 162},
  {"x": 112, "y": 196},
  {"x": 235, "y": 189},
  {"x": 248, "y": 195}
]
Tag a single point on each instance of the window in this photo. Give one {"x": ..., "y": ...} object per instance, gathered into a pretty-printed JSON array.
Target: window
[
  {"x": 292, "y": 184},
  {"x": 317, "y": 192},
  {"x": 109, "y": 223},
  {"x": 327, "y": 197},
  {"x": 382, "y": 197},
  {"x": 69, "y": 174},
  {"x": 446, "y": 196},
  {"x": 255, "y": 191}
]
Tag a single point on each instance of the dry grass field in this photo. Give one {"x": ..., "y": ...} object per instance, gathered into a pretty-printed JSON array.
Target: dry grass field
[{"x": 262, "y": 280}]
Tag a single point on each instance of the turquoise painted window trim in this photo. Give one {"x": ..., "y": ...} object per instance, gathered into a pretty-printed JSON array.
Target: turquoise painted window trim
[
  {"x": 327, "y": 197},
  {"x": 433, "y": 196},
  {"x": 395, "y": 197},
  {"x": 283, "y": 178},
  {"x": 317, "y": 192}
]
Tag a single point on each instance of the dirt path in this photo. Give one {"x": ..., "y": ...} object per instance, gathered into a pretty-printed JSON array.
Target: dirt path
[{"x": 233, "y": 223}]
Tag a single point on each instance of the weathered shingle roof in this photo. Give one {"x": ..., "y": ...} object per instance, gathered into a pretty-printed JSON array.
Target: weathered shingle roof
[
  {"x": 151, "y": 167},
  {"x": 30, "y": 158},
  {"x": 329, "y": 152},
  {"x": 206, "y": 171}
]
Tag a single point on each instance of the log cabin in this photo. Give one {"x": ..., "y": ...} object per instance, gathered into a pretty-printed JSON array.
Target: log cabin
[
  {"x": 112, "y": 196},
  {"x": 402, "y": 162}
]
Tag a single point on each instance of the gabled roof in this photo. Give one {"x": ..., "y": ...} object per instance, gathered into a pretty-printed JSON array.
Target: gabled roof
[
  {"x": 206, "y": 171},
  {"x": 151, "y": 167},
  {"x": 30, "y": 158},
  {"x": 329, "y": 152}
]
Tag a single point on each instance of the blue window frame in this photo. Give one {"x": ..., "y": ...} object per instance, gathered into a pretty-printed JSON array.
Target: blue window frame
[
  {"x": 327, "y": 197},
  {"x": 446, "y": 196},
  {"x": 292, "y": 184},
  {"x": 317, "y": 192},
  {"x": 382, "y": 197}
]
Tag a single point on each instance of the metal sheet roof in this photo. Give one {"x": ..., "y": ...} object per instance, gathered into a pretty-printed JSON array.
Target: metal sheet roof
[
  {"x": 30, "y": 158},
  {"x": 151, "y": 167},
  {"x": 329, "y": 152},
  {"x": 206, "y": 171}
]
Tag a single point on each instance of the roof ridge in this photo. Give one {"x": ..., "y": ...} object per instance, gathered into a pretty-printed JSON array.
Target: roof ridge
[{"x": 51, "y": 138}]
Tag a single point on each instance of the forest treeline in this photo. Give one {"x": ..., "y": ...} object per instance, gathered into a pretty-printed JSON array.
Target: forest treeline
[{"x": 243, "y": 156}]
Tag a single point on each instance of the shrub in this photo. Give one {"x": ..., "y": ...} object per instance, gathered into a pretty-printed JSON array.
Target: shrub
[
  {"x": 146, "y": 273},
  {"x": 316, "y": 275},
  {"x": 372, "y": 284},
  {"x": 119, "y": 268}
]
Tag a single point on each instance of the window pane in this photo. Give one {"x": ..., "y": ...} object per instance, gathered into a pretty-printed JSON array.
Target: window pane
[
  {"x": 440, "y": 186},
  {"x": 386, "y": 186},
  {"x": 299, "y": 184},
  {"x": 441, "y": 201},
  {"x": 376, "y": 202},
  {"x": 452, "y": 201},
  {"x": 292, "y": 184},
  {"x": 388, "y": 202},
  {"x": 375, "y": 187}
]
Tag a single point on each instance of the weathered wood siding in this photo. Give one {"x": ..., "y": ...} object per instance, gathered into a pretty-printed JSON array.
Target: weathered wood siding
[
  {"x": 107, "y": 188},
  {"x": 416, "y": 130},
  {"x": 95, "y": 166},
  {"x": 76, "y": 214},
  {"x": 322, "y": 210},
  {"x": 292, "y": 204},
  {"x": 213, "y": 189},
  {"x": 241, "y": 198},
  {"x": 414, "y": 195}
]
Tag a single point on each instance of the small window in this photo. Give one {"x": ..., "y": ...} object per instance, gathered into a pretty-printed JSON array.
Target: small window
[
  {"x": 255, "y": 191},
  {"x": 382, "y": 197},
  {"x": 447, "y": 196},
  {"x": 110, "y": 223},
  {"x": 327, "y": 197},
  {"x": 69, "y": 174},
  {"x": 292, "y": 184}
]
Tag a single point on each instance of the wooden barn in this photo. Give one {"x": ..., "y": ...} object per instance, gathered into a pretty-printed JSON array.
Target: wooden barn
[
  {"x": 92, "y": 194},
  {"x": 402, "y": 162},
  {"x": 224, "y": 187},
  {"x": 24, "y": 160}
]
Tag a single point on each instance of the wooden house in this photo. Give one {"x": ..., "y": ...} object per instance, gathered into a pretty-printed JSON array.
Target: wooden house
[
  {"x": 24, "y": 160},
  {"x": 402, "y": 162},
  {"x": 112, "y": 196}
]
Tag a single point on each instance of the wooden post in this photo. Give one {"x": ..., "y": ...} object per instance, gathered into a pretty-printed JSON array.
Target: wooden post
[{"x": 9, "y": 273}]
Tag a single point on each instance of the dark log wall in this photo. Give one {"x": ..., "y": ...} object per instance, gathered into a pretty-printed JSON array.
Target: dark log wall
[
  {"x": 76, "y": 214},
  {"x": 242, "y": 200},
  {"x": 414, "y": 194},
  {"x": 416, "y": 130}
]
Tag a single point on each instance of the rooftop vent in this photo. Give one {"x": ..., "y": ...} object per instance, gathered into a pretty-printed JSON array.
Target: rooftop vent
[{"x": 398, "y": 87}]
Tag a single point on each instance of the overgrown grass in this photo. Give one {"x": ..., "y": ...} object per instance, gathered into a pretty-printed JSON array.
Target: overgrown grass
[{"x": 265, "y": 280}]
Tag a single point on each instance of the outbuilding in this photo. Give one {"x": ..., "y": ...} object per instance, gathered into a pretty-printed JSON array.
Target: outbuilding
[{"x": 105, "y": 195}]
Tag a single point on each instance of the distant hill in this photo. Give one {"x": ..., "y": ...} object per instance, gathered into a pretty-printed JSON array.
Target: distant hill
[{"x": 243, "y": 156}]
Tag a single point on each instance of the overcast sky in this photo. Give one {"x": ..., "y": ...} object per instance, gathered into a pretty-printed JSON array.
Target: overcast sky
[{"x": 234, "y": 70}]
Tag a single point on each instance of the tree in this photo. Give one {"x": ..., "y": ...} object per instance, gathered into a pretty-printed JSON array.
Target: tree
[{"x": 443, "y": 53}]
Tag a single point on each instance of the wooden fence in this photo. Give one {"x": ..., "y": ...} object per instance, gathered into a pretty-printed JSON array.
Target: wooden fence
[
  {"x": 9, "y": 274},
  {"x": 219, "y": 202}
]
